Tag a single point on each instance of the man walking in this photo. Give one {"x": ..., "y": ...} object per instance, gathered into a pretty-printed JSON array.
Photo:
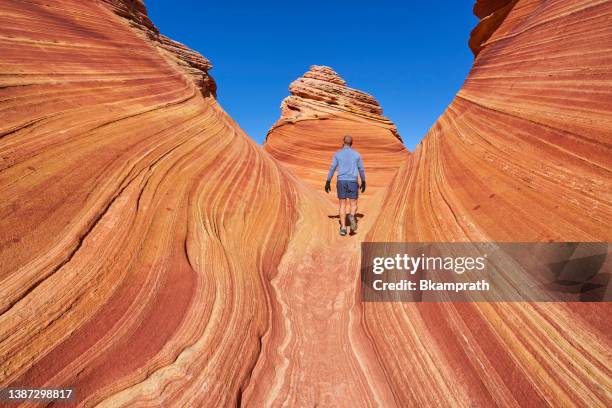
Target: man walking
[{"x": 348, "y": 162}]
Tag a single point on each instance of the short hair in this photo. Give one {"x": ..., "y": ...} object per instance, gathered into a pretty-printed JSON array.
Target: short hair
[{"x": 348, "y": 140}]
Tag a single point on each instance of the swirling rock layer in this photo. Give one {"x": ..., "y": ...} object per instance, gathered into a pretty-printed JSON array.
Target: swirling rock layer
[
  {"x": 135, "y": 246},
  {"x": 152, "y": 255},
  {"x": 320, "y": 111},
  {"x": 522, "y": 154}
]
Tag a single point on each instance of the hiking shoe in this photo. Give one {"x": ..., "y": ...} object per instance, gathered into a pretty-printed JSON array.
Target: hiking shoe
[
  {"x": 353, "y": 222},
  {"x": 342, "y": 231}
]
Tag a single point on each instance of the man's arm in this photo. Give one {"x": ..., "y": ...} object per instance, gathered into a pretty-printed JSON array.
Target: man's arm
[
  {"x": 361, "y": 174},
  {"x": 361, "y": 169},
  {"x": 332, "y": 168}
]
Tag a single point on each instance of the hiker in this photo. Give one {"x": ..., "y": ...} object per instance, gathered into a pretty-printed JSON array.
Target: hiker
[{"x": 348, "y": 162}]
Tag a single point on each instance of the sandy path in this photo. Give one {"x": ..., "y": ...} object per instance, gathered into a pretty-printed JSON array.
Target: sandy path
[{"x": 315, "y": 296}]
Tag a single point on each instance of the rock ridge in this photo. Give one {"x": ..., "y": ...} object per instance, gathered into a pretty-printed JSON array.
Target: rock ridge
[
  {"x": 321, "y": 92},
  {"x": 191, "y": 62},
  {"x": 314, "y": 119},
  {"x": 492, "y": 15}
]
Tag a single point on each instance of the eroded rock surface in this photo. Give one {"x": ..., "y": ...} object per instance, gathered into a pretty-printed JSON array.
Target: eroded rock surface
[
  {"x": 314, "y": 119},
  {"x": 152, "y": 254},
  {"x": 134, "y": 259},
  {"x": 522, "y": 154}
]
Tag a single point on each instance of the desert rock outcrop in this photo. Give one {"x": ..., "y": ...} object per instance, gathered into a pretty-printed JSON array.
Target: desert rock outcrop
[
  {"x": 314, "y": 118},
  {"x": 126, "y": 271},
  {"x": 522, "y": 154}
]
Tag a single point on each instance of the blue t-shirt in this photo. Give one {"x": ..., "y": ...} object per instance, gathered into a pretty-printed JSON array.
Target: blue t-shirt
[{"x": 348, "y": 162}]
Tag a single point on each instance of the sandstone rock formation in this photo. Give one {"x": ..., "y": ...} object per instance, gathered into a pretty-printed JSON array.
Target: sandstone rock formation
[
  {"x": 522, "y": 154},
  {"x": 315, "y": 117},
  {"x": 126, "y": 271},
  {"x": 141, "y": 266},
  {"x": 491, "y": 13}
]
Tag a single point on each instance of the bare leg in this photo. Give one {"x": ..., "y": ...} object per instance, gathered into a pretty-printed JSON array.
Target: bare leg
[
  {"x": 343, "y": 213},
  {"x": 353, "y": 207},
  {"x": 353, "y": 210}
]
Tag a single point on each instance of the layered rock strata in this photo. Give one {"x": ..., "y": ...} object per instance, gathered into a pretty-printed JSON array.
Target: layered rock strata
[
  {"x": 153, "y": 255},
  {"x": 135, "y": 255},
  {"x": 522, "y": 154},
  {"x": 314, "y": 119}
]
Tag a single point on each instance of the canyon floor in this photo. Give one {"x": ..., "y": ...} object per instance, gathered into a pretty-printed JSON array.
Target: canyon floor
[{"x": 319, "y": 352}]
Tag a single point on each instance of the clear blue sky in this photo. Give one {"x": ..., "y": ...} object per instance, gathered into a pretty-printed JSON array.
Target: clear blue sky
[{"x": 410, "y": 55}]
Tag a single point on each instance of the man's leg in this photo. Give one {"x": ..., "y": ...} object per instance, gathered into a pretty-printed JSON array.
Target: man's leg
[
  {"x": 353, "y": 207},
  {"x": 353, "y": 211},
  {"x": 343, "y": 212}
]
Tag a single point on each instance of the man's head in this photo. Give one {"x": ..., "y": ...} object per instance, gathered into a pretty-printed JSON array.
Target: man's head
[{"x": 348, "y": 140}]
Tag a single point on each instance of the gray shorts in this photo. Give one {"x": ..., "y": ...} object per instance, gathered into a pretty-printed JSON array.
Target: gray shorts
[{"x": 347, "y": 189}]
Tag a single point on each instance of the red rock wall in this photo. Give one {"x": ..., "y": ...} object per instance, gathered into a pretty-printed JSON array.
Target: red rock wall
[
  {"x": 521, "y": 154},
  {"x": 134, "y": 258}
]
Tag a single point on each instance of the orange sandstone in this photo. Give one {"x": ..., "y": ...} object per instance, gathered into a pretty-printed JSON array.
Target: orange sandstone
[
  {"x": 523, "y": 154},
  {"x": 135, "y": 261},
  {"x": 142, "y": 266},
  {"x": 314, "y": 119}
]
